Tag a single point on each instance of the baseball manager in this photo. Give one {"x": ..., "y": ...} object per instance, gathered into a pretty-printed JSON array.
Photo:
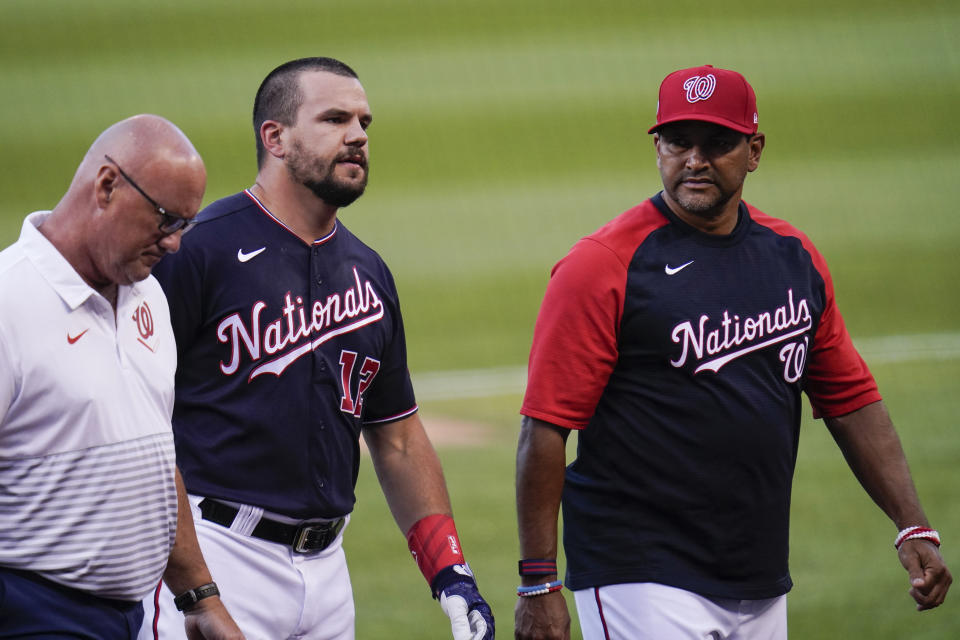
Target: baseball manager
[{"x": 677, "y": 340}]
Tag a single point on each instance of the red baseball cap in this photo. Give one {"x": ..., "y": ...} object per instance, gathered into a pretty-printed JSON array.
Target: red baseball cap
[{"x": 707, "y": 94}]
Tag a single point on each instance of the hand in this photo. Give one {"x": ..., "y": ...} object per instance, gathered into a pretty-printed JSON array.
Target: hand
[
  {"x": 470, "y": 615},
  {"x": 929, "y": 577},
  {"x": 209, "y": 620},
  {"x": 542, "y": 617}
]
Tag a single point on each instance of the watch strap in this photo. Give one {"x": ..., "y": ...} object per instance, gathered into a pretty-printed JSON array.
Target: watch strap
[{"x": 187, "y": 599}]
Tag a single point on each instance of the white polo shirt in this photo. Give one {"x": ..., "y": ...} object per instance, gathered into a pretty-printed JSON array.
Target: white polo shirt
[{"x": 87, "y": 491}]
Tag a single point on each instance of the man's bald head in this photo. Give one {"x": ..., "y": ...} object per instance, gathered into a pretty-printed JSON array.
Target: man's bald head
[
  {"x": 107, "y": 225},
  {"x": 142, "y": 140}
]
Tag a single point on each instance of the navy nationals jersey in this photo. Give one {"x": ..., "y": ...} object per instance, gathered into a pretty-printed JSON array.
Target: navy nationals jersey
[
  {"x": 681, "y": 356},
  {"x": 285, "y": 349}
]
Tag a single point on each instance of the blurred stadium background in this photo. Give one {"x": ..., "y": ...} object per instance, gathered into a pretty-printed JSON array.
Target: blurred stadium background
[{"x": 505, "y": 130}]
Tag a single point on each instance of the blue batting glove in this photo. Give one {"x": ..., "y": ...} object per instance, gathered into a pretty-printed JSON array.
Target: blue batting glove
[{"x": 470, "y": 615}]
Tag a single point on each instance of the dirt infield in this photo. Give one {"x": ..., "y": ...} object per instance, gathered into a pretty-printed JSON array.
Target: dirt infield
[
  {"x": 445, "y": 432},
  {"x": 450, "y": 432}
]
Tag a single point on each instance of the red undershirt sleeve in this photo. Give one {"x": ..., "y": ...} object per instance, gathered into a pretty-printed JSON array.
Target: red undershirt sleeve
[
  {"x": 838, "y": 380},
  {"x": 575, "y": 338}
]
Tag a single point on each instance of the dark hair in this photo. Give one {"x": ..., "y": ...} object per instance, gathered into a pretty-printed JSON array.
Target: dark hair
[{"x": 279, "y": 96}]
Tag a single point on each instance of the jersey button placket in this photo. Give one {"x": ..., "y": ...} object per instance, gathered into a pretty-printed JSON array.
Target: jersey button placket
[
  {"x": 316, "y": 280},
  {"x": 316, "y": 265}
]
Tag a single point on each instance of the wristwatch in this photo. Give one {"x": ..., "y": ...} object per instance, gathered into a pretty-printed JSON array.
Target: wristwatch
[{"x": 187, "y": 599}]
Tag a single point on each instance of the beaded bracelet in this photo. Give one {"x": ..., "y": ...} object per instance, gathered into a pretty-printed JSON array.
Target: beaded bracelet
[
  {"x": 915, "y": 532},
  {"x": 537, "y": 567},
  {"x": 539, "y": 589}
]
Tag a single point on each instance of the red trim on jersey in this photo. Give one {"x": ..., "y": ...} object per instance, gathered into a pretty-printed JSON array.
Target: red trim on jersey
[
  {"x": 838, "y": 380},
  {"x": 575, "y": 340},
  {"x": 394, "y": 418},
  {"x": 263, "y": 208}
]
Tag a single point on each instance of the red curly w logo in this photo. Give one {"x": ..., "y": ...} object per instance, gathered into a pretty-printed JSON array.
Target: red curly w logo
[{"x": 144, "y": 319}]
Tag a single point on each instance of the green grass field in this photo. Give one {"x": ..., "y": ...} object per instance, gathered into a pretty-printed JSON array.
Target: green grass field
[{"x": 505, "y": 130}]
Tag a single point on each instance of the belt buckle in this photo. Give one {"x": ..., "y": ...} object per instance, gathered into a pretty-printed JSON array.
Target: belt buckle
[{"x": 316, "y": 537}]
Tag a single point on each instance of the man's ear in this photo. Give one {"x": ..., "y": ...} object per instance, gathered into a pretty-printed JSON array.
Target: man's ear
[
  {"x": 271, "y": 136},
  {"x": 756, "y": 144},
  {"x": 105, "y": 184}
]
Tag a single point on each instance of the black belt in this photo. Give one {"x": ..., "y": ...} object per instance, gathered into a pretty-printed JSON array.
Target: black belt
[{"x": 309, "y": 536}]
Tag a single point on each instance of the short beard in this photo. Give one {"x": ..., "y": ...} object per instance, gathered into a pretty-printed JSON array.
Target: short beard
[
  {"x": 333, "y": 192},
  {"x": 327, "y": 188}
]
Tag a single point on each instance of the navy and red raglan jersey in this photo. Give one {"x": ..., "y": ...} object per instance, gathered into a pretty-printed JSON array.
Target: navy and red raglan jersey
[
  {"x": 680, "y": 357},
  {"x": 284, "y": 350}
]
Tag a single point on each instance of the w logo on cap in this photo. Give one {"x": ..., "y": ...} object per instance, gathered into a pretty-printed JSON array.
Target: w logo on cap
[
  {"x": 707, "y": 94},
  {"x": 700, "y": 87}
]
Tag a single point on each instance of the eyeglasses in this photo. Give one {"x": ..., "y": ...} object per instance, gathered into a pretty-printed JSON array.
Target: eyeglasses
[{"x": 169, "y": 223}]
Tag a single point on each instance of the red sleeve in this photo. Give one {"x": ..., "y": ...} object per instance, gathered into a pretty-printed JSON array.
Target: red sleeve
[
  {"x": 575, "y": 338},
  {"x": 838, "y": 380}
]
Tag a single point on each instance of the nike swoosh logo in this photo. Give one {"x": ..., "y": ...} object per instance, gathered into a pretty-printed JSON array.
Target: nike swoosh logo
[
  {"x": 243, "y": 257},
  {"x": 667, "y": 269},
  {"x": 72, "y": 339}
]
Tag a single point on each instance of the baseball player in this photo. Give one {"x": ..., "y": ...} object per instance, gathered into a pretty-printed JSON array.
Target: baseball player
[
  {"x": 89, "y": 493},
  {"x": 676, "y": 340},
  {"x": 291, "y": 347}
]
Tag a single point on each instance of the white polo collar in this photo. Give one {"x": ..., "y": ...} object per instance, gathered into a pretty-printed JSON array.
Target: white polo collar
[{"x": 54, "y": 268}]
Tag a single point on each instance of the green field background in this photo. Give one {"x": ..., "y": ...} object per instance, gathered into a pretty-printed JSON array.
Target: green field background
[{"x": 505, "y": 130}]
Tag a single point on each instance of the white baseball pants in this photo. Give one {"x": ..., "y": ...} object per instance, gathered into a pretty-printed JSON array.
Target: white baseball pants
[
  {"x": 650, "y": 611},
  {"x": 272, "y": 592}
]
